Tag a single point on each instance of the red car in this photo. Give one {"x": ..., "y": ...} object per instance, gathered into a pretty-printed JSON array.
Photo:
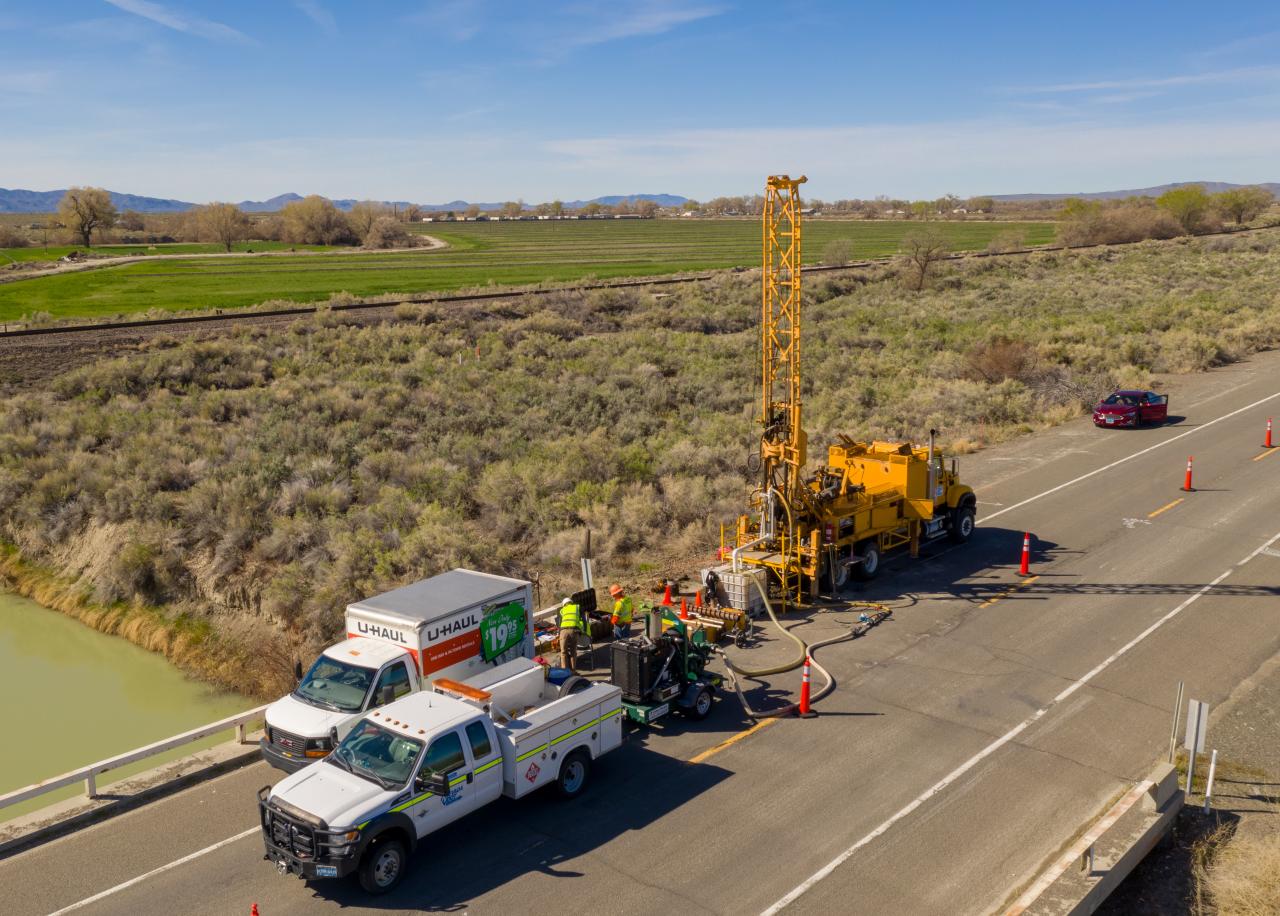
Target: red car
[{"x": 1131, "y": 408}]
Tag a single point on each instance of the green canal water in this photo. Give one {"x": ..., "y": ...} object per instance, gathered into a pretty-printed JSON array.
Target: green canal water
[{"x": 73, "y": 696}]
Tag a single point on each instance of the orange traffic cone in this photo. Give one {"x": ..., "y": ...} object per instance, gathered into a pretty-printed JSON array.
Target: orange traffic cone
[
  {"x": 1186, "y": 487},
  {"x": 805, "y": 711},
  {"x": 1267, "y": 444},
  {"x": 253, "y": 911},
  {"x": 666, "y": 597},
  {"x": 697, "y": 599},
  {"x": 684, "y": 608},
  {"x": 1025, "y": 568}
]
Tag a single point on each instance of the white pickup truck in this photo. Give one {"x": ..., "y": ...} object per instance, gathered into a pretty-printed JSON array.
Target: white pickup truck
[
  {"x": 425, "y": 760},
  {"x": 453, "y": 625}
]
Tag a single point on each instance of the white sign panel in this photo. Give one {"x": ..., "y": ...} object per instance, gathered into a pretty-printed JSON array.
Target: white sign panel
[{"x": 1197, "y": 725}]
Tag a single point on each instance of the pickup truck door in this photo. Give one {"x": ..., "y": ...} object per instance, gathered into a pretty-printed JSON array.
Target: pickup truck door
[
  {"x": 429, "y": 811},
  {"x": 486, "y": 762},
  {"x": 1153, "y": 408}
]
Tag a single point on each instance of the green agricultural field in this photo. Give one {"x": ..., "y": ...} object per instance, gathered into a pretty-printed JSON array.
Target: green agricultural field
[
  {"x": 53, "y": 252},
  {"x": 501, "y": 253}
]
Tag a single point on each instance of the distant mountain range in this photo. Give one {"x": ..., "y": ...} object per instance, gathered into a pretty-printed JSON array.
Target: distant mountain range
[
  {"x": 19, "y": 200},
  {"x": 1213, "y": 187}
]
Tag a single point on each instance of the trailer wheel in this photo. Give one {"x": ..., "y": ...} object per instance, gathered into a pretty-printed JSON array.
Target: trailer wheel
[
  {"x": 574, "y": 774},
  {"x": 700, "y": 708},
  {"x": 382, "y": 866},
  {"x": 838, "y": 574},
  {"x": 962, "y": 524},
  {"x": 869, "y": 568}
]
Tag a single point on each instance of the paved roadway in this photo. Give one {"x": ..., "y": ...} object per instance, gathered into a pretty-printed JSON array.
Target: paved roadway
[{"x": 969, "y": 737}]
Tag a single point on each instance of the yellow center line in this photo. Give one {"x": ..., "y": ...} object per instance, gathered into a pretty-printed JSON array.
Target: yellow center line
[
  {"x": 1266, "y": 453},
  {"x": 1165, "y": 508},
  {"x": 1009, "y": 591},
  {"x": 712, "y": 751}
]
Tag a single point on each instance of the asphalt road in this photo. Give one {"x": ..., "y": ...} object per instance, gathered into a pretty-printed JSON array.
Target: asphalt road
[{"x": 968, "y": 740}]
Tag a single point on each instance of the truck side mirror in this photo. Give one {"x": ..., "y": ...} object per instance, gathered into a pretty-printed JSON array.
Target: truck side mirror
[
  {"x": 386, "y": 695},
  {"x": 435, "y": 783},
  {"x": 297, "y": 670}
]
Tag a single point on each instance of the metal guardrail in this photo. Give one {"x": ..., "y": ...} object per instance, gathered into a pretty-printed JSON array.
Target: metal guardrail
[{"x": 89, "y": 774}]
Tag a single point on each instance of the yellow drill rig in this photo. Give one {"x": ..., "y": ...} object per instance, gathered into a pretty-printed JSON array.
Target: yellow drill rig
[{"x": 811, "y": 531}]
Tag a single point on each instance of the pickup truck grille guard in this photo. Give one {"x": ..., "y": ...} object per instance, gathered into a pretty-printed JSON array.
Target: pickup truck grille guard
[{"x": 298, "y": 838}]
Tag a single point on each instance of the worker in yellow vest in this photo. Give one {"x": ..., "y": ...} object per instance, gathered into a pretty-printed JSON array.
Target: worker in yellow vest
[
  {"x": 622, "y": 612},
  {"x": 572, "y": 629}
]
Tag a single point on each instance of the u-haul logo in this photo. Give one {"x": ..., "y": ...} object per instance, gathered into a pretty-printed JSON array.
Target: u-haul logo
[
  {"x": 380, "y": 632},
  {"x": 451, "y": 628}
]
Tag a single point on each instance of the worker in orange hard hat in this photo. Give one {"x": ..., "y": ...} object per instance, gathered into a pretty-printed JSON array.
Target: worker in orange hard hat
[{"x": 623, "y": 611}]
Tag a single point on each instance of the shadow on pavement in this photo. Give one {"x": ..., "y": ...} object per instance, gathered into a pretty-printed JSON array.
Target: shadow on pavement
[{"x": 631, "y": 789}]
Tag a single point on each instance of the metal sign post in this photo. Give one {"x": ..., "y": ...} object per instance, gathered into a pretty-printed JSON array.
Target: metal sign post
[
  {"x": 1173, "y": 731},
  {"x": 1193, "y": 741}
]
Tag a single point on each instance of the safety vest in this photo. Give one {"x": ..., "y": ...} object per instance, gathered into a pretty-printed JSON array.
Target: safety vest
[
  {"x": 570, "y": 617},
  {"x": 622, "y": 609}
]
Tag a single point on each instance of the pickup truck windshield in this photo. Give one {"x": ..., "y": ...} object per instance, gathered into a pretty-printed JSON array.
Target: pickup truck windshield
[
  {"x": 331, "y": 684},
  {"x": 379, "y": 755}
]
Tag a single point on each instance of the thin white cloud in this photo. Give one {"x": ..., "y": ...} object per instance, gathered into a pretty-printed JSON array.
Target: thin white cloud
[
  {"x": 319, "y": 15},
  {"x": 28, "y": 82},
  {"x": 191, "y": 25},
  {"x": 1236, "y": 75},
  {"x": 459, "y": 20},
  {"x": 644, "y": 18},
  {"x": 1250, "y": 45}
]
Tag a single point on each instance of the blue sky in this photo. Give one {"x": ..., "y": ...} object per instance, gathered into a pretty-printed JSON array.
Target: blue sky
[{"x": 442, "y": 99}]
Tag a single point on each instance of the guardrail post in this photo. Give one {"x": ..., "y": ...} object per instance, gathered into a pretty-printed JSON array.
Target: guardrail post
[
  {"x": 90, "y": 786},
  {"x": 240, "y": 733},
  {"x": 1086, "y": 861}
]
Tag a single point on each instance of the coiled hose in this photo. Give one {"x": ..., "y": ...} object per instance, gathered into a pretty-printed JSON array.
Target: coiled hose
[{"x": 865, "y": 623}]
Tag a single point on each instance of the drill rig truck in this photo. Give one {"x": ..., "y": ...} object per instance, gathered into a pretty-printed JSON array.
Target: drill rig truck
[{"x": 813, "y": 529}]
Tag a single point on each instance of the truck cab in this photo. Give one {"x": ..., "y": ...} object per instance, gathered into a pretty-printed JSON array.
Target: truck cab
[{"x": 346, "y": 681}]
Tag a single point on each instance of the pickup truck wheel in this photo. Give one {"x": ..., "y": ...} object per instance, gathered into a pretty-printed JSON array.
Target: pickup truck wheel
[
  {"x": 869, "y": 568},
  {"x": 962, "y": 524},
  {"x": 382, "y": 866},
  {"x": 574, "y": 773}
]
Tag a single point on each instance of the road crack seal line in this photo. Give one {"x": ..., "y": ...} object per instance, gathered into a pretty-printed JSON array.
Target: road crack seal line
[{"x": 941, "y": 785}]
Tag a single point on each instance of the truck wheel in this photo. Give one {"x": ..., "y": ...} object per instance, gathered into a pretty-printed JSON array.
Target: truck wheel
[
  {"x": 838, "y": 574},
  {"x": 700, "y": 708},
  {"x": 869, "y": 568},
  {"x": 382, "y": 866},
  {"x": 575, "y": 684},
  {"x": 574, "y": 773},
  {"x": 962, "y": 524}
]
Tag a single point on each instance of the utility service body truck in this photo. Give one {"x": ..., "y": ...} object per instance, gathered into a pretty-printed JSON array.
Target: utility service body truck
[
  {"x": 454, "y": 625},
  {"x": 423, "y": 761}
]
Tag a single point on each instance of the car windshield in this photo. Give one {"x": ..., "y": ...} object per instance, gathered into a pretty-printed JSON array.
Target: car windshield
[
  {"x": 378, "y": 754},
  {"x": 1119, "y": 399},
  {"x": 336, "y": 685}
]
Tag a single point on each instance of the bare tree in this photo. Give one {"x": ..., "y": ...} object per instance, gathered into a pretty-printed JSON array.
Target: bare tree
[
  {"x": 131, "y": 220},
  {"x": 315, "y": 220},
  {"x": 557, "y": 208},
  {"x": 363, "y": 215},
  {"x": 82, "y": 210},
  {"x": 513, "y": 208},
  {"x": 223, "y": 223},
  {"x": 921, "y": 248},
  {"x": 646, "y": 208},
  {"x": 473, "y": 211},
  {"x": 412, "y": 213},
  {"x": 838, "y": 251},
  {"x": 386, "y": 232}
]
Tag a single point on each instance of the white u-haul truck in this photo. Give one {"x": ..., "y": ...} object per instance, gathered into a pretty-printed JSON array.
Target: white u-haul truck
[
  {"x": 423, "y": 761},
  {"x": 454, "y": 625}
]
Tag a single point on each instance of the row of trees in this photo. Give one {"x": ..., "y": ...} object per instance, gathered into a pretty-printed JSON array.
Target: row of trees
[
  {"x": 88, "y": 212},
  {"x": 1188, "y": 210}
]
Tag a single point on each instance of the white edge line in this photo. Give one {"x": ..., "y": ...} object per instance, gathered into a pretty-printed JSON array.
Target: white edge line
[
  {"x": 1107, "y": 467},
  {"x": 1004, "y": 739},
  {"x": 155, "y": 871}
]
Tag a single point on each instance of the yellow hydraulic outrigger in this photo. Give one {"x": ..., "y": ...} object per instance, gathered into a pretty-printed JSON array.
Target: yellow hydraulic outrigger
[{"x": 869, "y": 497}]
